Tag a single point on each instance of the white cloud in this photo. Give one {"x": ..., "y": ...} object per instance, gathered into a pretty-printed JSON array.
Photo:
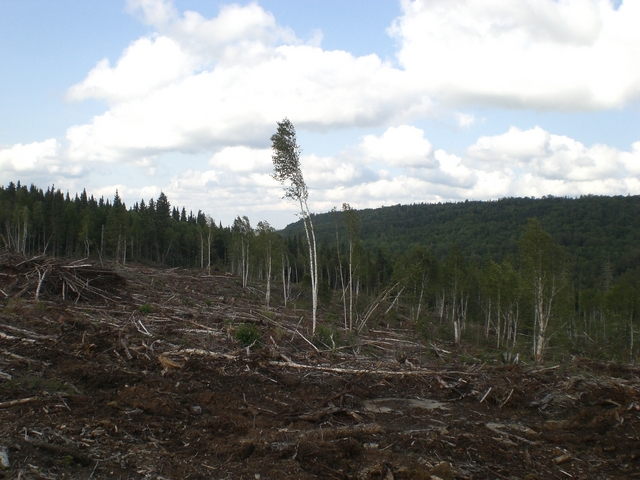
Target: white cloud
[
  {"x": 240, "y": 105},
  {"x": 542, "y": 54},
  {"x": 243, "y": 26},
  {"x": 548, "y": 158},
  {"x": 465, "y": 119},
  {"x": 515, "y": 146},
  {"x": 403, "y": 146},
  {"x": 145, "y": 66},
  {"x": 31, "y": 157},
  {"x": 339, "y": 171},
  {"x": 243, "y": 160},
  {"x": 200, "y": 84},
  {"x": 453, "y": 172}
]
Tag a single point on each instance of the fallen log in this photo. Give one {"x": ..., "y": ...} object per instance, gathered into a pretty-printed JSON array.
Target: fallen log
[
  {"x": 342, "y": 432},
  {"x": 62, "y": 450},
  {"x": 202, "y": 353},
  {"x": 361, "y": 371},
  {"x": 22, "y": 401}
]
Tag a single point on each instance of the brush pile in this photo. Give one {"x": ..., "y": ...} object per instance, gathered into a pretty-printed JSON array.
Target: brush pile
[{"x": 40, "y": 276}]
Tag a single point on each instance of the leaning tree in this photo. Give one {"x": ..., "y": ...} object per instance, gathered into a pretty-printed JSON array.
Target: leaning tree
[{"x": 286, "y": 166}]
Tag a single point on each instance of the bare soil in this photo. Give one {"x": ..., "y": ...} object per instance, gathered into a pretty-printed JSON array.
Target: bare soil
[{"x": 94, "y": 386}]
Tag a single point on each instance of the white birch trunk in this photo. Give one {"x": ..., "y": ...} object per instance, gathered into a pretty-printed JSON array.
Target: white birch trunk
[
  {"x": 313, "y": 259},
  {"x": 268, "y": 293}
]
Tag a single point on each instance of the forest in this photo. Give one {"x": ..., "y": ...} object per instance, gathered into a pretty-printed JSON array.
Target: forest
[{"x": 519, "y": 278}]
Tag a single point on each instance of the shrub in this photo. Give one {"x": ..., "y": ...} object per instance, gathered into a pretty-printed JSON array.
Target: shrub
[
  {"x": 145, "y": 309},
  {"x": 187, "y": 302},
  {"x": 326, "y": 337},
  {"x": 247, "y": 334}
]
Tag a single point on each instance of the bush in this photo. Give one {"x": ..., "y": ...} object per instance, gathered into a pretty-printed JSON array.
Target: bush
[
  {"x": 326, "y": 337},
  {"x": 145, "y": 309},
  {"x": 247, "y": 334}
]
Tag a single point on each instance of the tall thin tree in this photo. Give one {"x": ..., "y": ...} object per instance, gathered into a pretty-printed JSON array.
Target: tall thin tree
[
  {"x": 352, "y": 224},
  {"x": 544, "y": 269},
  {"x": 287, "y": 171},
  {"x": 266, "y": 234}
]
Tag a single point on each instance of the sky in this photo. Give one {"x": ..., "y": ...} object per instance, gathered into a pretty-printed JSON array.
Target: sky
[{"x": 394, "y": 102}]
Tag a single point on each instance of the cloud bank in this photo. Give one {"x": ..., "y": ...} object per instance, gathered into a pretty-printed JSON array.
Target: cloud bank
[{"x": 538, "y": 54}]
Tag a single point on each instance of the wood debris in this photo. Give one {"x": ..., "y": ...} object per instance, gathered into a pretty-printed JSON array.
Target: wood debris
[{"x": 112, "y": 372}]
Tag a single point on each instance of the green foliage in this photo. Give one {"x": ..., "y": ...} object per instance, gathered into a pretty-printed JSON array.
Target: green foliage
[
  {"x": 15, "y": 305},
  {"x": 35, "y": 383},
  {"x": 286, "y": 161},
  {"x": 589, "y": 243},
  {"x": 325, "y": 293},
  {"x": 145, "y": 308},
  {"x": 323, "y": 337},
  {"x": 544, "y": 278},
  {"x": 591, "y": 229},
  {"x": 186, "y": 301},
  {"x": 417, "y": 272},
  {"x": 247, "y": 334},
  {"x": 331, "y": 337},
  {"x": 33, "y": 221},
  {"x": 268, "y": 313}
]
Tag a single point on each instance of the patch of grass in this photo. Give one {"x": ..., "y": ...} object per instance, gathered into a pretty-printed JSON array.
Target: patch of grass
[
  {"x": 279, "y": 333},
  {"x": 207, "y": 302},
  {"x": 145, "y": 309},
  {"x": 268, "y": 313},
  {"x": 35, "y": 383},
  {"x": 333, "y": 338},
  {"x": 326, "y": 337},
  {"x": 247, "y": 334},
  {"x": 15, "y": 305},
  {"x": 187, "y": 302}
]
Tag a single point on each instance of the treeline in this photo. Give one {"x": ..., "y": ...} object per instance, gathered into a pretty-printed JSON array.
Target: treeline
[
  {"x": 34, "y": 221},
  {"x": 519, "y": 276},
  {"x": 529, "y": 303},
  {"x": 466, "y": 271},
  {"x": 593, "y": 230}
]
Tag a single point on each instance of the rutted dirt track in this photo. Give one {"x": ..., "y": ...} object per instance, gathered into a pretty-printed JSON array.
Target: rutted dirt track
[{"x": 97, "y": 389}]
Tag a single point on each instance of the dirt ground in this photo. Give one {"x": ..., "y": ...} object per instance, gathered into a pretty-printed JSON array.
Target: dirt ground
[{"x": 136, "y": 373}]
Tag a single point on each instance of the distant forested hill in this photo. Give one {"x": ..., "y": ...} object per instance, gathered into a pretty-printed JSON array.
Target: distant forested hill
[{"x": 593, "y": 230}]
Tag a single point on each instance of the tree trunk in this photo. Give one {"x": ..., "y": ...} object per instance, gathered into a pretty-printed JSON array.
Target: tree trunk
[
  {"x": 268, "y": 294},
  {"x": 313, "y": 259}
]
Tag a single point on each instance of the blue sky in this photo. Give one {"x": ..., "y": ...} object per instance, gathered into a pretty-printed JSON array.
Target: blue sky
[{"x": 394, "y": 102}]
